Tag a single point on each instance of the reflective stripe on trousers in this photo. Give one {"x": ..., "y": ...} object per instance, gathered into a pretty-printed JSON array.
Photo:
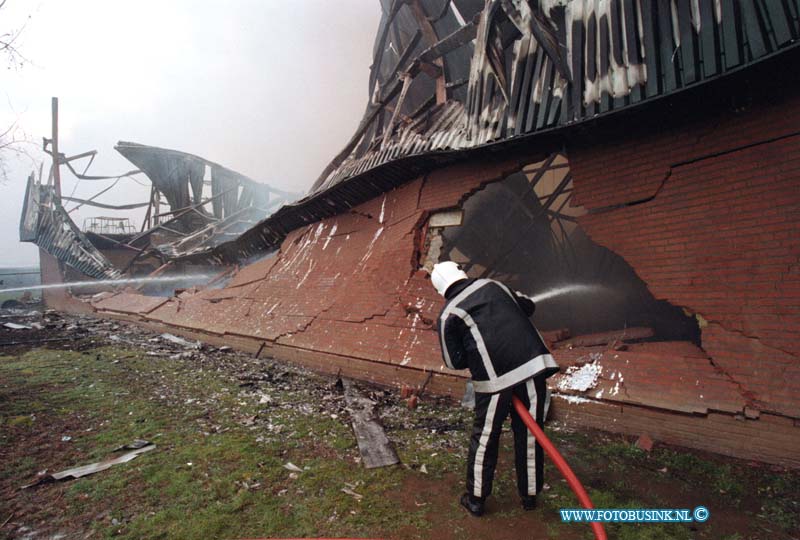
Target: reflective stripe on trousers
[{"x": 491, "y": 410}]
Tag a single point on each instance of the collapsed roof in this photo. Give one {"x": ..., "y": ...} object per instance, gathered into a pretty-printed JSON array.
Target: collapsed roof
[
  {"x": 457, "y": 77},
  {"x": 236, "y": 204},
  {"x": 45, "y": 223},
  {"x": 450, "y": 76}
]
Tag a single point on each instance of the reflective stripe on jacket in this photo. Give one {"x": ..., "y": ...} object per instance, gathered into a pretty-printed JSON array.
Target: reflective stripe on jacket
[{"x": 485, "y": 327}]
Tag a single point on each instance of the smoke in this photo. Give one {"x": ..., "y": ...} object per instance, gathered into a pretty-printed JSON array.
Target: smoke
[{"x": 266, "y": 127}]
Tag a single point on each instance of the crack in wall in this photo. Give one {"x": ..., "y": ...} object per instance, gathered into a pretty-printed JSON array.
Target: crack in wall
[
  {"x": 671, "y": 167},
  {"x": 755, "y": 338},
  {"x": 302, "y": 328},
  {"x": 421, "y": 189},
  {"x": 316, "y": 317},
  {"x": 748, "y": 394},
  {"x": 749, "y": 397},
  {"x": 362, "y": 214}
]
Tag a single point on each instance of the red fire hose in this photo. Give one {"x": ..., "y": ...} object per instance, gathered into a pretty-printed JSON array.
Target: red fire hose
[{"x": 563, "y": 466}]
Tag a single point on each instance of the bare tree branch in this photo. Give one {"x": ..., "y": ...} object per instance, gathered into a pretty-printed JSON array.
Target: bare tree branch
[
  {"x": 14, "y": 143},
  {"x": 7, "y": 45}
]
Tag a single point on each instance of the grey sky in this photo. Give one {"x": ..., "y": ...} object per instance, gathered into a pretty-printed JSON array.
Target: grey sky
[{"x": 272, "y": 89}]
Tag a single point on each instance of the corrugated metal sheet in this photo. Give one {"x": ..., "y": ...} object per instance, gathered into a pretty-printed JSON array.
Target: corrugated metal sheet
[
  {"x": 450, "y": 76},
  {"x": 180, "y": 176},
  {"x": 237, "y": 202},
  {"x": 547, "y": 63},
  {"x": 48, "y": 226}
]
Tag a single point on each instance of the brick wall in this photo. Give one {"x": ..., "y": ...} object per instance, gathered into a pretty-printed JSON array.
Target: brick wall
[
  {"x": 60, "y": 299},
  {"x": 718, "y": 235},
  {"x": 347, "y": 286}
]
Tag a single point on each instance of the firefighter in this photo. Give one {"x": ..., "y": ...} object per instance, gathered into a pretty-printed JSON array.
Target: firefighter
[{"x": 485, "y": 327}]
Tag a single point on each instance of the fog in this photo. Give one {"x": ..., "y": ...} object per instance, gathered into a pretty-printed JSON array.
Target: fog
[{"x": 269, "y": 88}]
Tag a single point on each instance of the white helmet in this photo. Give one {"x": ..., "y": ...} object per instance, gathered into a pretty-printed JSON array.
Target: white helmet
[{"x": 445, "y": 274}]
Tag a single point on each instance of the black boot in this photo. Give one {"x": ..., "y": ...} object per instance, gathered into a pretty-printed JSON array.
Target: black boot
[
  {"x": 474, "y": 505},
  {"x": 529, "y": 502}
]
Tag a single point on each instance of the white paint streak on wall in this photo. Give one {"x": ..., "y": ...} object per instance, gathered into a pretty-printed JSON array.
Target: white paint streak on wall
[
  {"x": 383, "y": 209},
  {"x": 634, "y": 73},
  {"x": 548, "y": 5},
  {"x": 457, "y": 14},
  {"x": 620, "y": 78},
  {"x": 301, "y": 253},
  {"x": 573, "y": 12},
  {"x": 407, "y": 356},
  {"x": 371, "y": 245},
  {"x": 330, "y": 235},
  {"x": 640, "y": 28},
  {"x": 308, "y": 272}
]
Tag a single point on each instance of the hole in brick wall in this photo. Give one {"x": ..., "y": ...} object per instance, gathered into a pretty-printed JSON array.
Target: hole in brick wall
[{"x": 523, "y": 231}]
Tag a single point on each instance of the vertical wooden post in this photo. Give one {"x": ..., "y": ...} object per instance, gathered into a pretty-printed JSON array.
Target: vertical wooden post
[
  {"x": 54, "y": 147},
  {"x": 146, "y": 222},
  {"x": 156, "y": 206}
]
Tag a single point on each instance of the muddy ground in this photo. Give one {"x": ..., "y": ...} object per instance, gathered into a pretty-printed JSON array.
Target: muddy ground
[{"x": 226, "y": 428}]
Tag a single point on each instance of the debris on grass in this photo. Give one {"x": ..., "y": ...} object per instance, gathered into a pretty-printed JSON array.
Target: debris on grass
[
  {"x": 289, "y": 466},
  {"x": 15, "y": 326},
  {"x": 373, "y": 444},
  {"x": 135, "y": 445},
  {"x": 180, "y": 341},
  {"x": 412, "y": 402},
  {"x": 86, "y": 470},
  {"x": 349, "y": 491},
  {"x": 207, "y": 404}
]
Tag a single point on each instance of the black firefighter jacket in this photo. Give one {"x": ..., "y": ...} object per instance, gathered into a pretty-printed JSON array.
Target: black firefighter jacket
[{"x": 484, "y": 326}]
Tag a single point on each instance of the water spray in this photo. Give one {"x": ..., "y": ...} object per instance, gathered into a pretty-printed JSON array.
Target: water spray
[
  {"x": 111, "y": 282},
  {"x": 565, "y": 289}
]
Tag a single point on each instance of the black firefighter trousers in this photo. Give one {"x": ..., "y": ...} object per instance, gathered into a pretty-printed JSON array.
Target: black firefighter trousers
[{"x": 491, "y": 410}]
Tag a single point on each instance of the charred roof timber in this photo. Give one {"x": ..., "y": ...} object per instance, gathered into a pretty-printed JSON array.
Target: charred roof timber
[{"x": 455, "y": 75}]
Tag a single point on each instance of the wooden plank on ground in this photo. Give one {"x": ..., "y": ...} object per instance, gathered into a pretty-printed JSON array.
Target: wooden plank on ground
[{"x": 375, "y": 447}]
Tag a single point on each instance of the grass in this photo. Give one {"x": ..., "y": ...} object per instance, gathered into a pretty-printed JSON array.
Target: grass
[
  {"x": 228, "y": 480},
  {"x": 219, "y": 467}
]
